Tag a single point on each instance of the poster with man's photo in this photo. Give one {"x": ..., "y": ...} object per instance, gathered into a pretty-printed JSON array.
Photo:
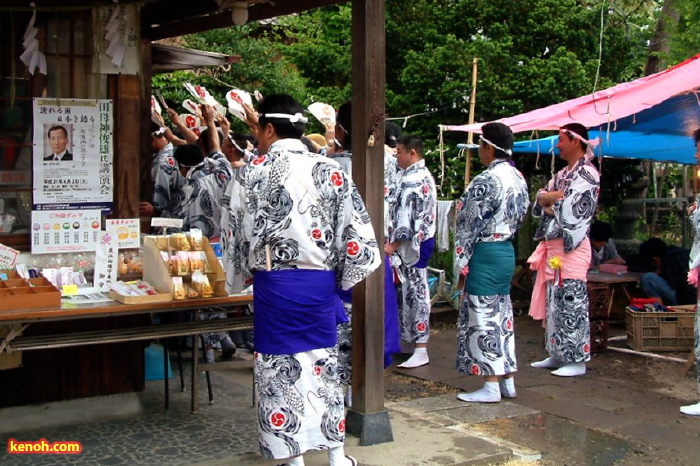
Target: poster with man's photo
[{"x": 73, "y": 154}]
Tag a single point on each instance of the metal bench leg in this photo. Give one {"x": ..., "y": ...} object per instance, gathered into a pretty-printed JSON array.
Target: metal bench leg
[
  {"x": 209, "y": 390},
  {"x": 165, "y": 375},
  {"x": 179, "y": 364},
  {"x": 195, "y": 366}
]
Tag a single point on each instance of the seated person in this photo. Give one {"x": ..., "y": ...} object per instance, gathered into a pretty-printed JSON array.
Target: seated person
[
  {"x": 669, "y": 281},
  {"x": 603, "y": 250}
]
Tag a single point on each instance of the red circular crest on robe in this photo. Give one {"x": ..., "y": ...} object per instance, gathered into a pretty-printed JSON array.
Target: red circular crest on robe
[
  {"x": 278, "y": 419},
  {"x": 337, "y": 179},
  {"x": 353, "y": 248},
  {"x": 316, "y": 233}
]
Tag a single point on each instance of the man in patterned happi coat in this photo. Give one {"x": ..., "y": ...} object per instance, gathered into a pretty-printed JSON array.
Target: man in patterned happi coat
[
  {"x": 488, "y": 215},
  {"x": 566, "y": 208},
  {"x": 164, "y": 172},
  {"x": 301, "y": 231},
  {"x": 694, "y": 409},
  {"x": 391, "y": 325},
  {"x": 412, "y": 241}
]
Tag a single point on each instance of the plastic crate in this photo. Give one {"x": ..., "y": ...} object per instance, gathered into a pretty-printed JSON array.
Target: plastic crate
[{"x": 660, "y": 331}]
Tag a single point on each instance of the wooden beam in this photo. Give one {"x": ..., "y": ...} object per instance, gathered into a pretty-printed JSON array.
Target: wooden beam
[
  {"x": 257, "y": 12},
  {"x": 367, "y": 418}
]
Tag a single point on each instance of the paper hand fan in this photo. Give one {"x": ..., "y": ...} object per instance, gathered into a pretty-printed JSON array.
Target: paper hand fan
[
  {"x": 155, "y": 106},
  {"x": 201, "y": 94},
  {"x": 190, "y": 121},
  {"x": 258, "y": 95},
  {"x": 219, "y": 110},
  {"x": 236, "y": 98},
  {"x": 192, "y": 107},
  {"x": 323, "y": 112}
]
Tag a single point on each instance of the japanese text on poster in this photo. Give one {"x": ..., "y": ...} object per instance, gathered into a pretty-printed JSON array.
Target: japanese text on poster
[
  {"x": 73, "y": 154},
  {"x": 65, "y": 230},
  {"x": 126, "y": 231}
]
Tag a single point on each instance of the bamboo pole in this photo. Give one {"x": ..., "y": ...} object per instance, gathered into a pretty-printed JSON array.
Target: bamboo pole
[{"x": 470, "y": 136}]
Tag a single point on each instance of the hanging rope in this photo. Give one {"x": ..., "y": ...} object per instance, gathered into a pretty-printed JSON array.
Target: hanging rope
[
  {"x": 405, "y": 118},
  {"x": 600, "y": 46},
  {"x": 13, "y": 64},
  {"x": 442, "y": 161}
]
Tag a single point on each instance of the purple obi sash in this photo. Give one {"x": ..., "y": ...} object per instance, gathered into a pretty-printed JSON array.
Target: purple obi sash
[
  {"x": 392, "y": 343},
  {"x": 426, "y": 252},
  {"x": 295, "y": 310}
]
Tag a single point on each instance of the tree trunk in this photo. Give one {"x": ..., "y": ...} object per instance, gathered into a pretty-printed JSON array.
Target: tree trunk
[{"x": 659, "y": 45}]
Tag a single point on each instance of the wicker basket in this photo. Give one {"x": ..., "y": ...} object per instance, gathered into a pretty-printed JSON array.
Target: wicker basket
[{"x": 660, "y": 331}]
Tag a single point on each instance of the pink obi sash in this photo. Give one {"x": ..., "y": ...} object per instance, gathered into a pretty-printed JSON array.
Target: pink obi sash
[{"x": 573, "y": 265}]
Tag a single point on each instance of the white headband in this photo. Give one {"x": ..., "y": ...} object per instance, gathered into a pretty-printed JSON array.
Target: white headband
[
  {"x": 159, "y": 132},
  {"x": 591, "y": 143},
  {"x": 232, "y": 141},
  {"x": 296, "y": 118},
  {"x": 509, "y": 151}
]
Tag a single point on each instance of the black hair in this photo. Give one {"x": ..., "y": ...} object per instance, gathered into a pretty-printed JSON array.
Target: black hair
[
  {"x": 204, "y": 139},
  {"x": 239, "y": 140},
  {"x": 653, "y": 247},
  {"x": 501, "y": 135},
  {"x": 57, "y": 127},
  {"x": 281, "y": 103},
  {"x": 579, "y": 129},
  {"x": 344, "y": 119},
  {"x": 310, "y": 145},
  {"x": 696, "y": 136},
  {"x": 155, "y": 128},
  {"x": 188, "y": 155},
  {"x": 411, "y": 142},
  {"x": 392, "y": 131},
  {"x": 600, "y": 231}
]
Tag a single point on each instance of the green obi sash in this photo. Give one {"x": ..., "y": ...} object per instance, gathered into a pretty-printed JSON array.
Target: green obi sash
[{"x": 491, "y": 269}]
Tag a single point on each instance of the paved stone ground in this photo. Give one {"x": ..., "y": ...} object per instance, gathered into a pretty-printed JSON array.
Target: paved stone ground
[{"x": 176, "y": 437}]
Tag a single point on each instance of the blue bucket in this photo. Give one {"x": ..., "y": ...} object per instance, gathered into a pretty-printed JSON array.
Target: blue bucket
[{"x": 153, "y": 356}]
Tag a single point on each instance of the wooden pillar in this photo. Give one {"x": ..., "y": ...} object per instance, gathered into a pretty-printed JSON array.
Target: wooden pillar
[
  {"x": 125, "y": 92},
  {"x": 368, "y": 419}
]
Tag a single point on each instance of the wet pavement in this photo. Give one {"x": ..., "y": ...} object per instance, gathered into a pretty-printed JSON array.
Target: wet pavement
[{"x": 624, "y": 411}]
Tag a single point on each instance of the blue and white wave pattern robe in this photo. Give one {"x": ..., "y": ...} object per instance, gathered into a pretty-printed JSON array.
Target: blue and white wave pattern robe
[
  {"x": 488, "y": 216},
  {"x": 197, "y": 202},
  {"x": 413, "y": 223},
  {"x": 567, "y": 322},
  {"x": 312, "y": 217}
]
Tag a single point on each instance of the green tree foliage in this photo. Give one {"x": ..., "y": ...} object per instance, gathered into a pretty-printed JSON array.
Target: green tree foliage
[
  {"x": 261, "y": 68},
  {"x": 685, "y": 39},
  {"x": 532, "y": 53}
]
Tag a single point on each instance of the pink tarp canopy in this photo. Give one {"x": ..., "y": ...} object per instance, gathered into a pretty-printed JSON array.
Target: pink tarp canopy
[{"x": 608, "y": 105}]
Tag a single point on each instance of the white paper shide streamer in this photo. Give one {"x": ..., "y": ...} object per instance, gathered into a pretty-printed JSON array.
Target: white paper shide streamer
[
  {"x": 32, "y": 56},
  {"x": 114, "y": 35}
]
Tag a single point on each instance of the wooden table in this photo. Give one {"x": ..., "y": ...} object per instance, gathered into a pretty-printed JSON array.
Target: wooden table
[
  {"x": 614, "y": 281},
  {"x": 15, "y": 322}
]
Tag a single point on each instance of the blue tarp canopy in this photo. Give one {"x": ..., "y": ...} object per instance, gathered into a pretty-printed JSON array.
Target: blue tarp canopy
[{"x": 659, "y": 133}]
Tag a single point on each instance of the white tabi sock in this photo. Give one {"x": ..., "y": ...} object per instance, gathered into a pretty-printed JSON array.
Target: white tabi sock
[
  {"x": 336, "y": 457},
  {"x": 489, "y": 393},
  {"x": 419, "y": 358},
  {"x": 549, "y": 363},
  {"x": 295, "y": 461},
  {"x": 507, "y": 387},
  {"x": 691, "y": 410},
  {"x": 571, "y": 370}
]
